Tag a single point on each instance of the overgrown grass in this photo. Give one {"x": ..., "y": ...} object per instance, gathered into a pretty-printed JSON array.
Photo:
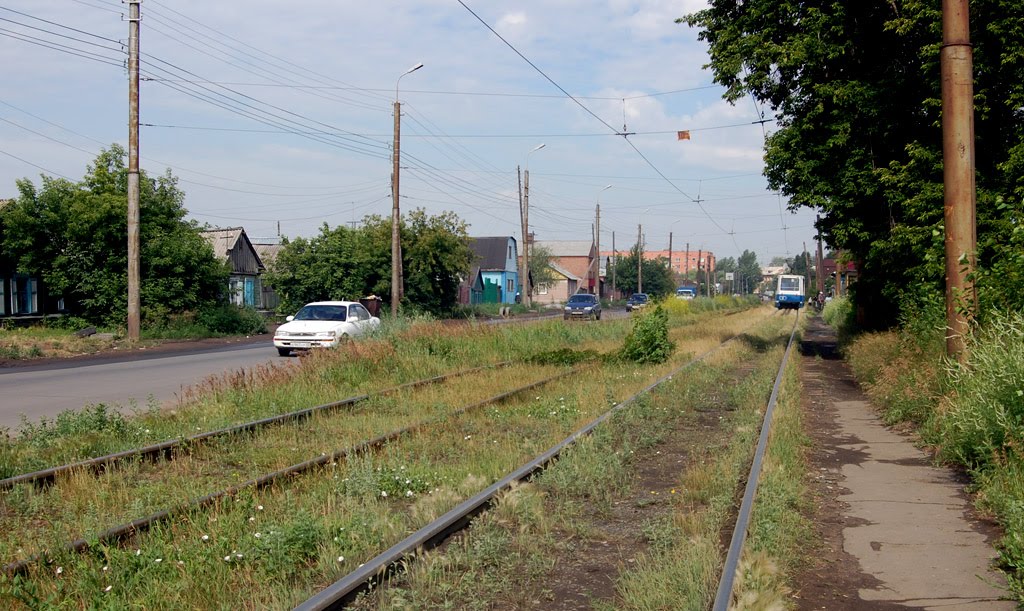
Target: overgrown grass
[
  {"x": 779, "y": 533},
  {"x": 280, "y": 544},
  {"x": 509, "y": 556}
]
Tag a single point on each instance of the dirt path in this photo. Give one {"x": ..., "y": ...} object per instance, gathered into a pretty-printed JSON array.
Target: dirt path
[{"x": 896, "y": 532}]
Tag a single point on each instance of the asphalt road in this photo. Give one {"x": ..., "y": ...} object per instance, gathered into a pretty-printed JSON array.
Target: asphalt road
[{"x": 48, "y": 389}]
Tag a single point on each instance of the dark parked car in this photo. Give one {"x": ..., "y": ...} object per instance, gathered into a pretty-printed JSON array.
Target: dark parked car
[
  {"x": 583, "y": 305},
  {"x": 636, "y": 301}
]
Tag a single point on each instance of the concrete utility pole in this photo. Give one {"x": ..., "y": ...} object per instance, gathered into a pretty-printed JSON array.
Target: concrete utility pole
[
  {"x": 397, "y": 281},
  {"x": 639, "y": 260},
  {"x": 821, "y": 264},
  {"x": 700, "y": 263},
  {"x": 807, "y": 266},
  {"x": 957, "y": 65},
  {"x": 597, "y": 243},
  {"x": 524, "y": 264},
  {"x": 524, "y": 203},
  {"x": 687, "y": 257},
  {"x": 670, "y": 257},
  {"x": 597, "y": 247},
  {"x": 133, "y": 171},
  {"x": 612, "y": 264}
]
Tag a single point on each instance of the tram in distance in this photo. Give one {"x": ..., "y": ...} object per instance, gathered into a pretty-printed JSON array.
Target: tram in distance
[{"x": 789, "y": 292}]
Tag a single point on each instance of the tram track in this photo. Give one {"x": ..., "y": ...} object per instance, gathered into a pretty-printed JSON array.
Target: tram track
[
  {"x": 341, "y": 593},
  {"x": 170, "y": 449},
  {"x": 119, "y": 534}
]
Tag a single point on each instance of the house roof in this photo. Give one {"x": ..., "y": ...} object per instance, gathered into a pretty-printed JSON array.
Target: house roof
[
  {"x": 225, "y": 240},
  {"x": 567, "y": 248},
  {"x": 561, "y": 270},
  {"x": 267, "y": 252},
  {"x": 490, "y": 253}
]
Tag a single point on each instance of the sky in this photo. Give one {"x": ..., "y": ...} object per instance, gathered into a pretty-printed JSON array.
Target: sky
[{"x": 278, "y": 116}]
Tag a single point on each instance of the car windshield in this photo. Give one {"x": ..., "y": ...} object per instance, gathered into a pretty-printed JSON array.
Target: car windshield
[
  {"x": 322, "y": 312},
  {"x": 640, "y": 297},
  {"x": 582, "y": 299}
]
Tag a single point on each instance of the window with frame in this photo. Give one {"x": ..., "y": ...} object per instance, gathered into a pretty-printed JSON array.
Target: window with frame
[
  {"x": 511, "y": 285},
  {"x": 542, "y": 289},
  {"x": 3, "y": 296},
  {"x": 25, "y": 291}
]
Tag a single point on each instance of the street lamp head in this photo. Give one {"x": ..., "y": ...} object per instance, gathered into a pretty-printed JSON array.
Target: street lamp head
[
  {"x": 414, "y": 68},
  {"x": 537, "y": 148},
  {"x": 607, "y": 187}
]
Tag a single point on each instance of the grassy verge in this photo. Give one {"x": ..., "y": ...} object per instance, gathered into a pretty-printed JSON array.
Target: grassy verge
[{"x": 279, "y": 544}]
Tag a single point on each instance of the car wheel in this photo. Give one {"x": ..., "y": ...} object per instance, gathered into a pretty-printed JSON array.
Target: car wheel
[
  {"x": 565, "y": 317},
  {"x": 284, "y": 351},
  {"x": 599, "y": 316}
]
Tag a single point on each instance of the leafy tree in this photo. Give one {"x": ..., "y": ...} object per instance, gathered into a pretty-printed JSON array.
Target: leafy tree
[
  {"x": 436, "y": 257},
  {"x": 344, "y": 263},
  {"x": 73, "y": 236},
  {"x": 540, "y": 265},
  {"x": 855, "y": 91},
  {"x": 657, "y": 277},
  {"x": 750, "y": 272}
]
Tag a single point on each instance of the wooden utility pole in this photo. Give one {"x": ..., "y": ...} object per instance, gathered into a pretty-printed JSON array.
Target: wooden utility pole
[
  {"x": 639, "y": 260},
  {"x": 397, "y": 280},
  {"x": 133, "y": 171},
  {"x": 957, "y": 66},
  {"x": 396, "y": 243},
  {"x": 524, "y": 259}
]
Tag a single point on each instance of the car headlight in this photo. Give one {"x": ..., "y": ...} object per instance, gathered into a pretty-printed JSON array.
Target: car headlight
[
  {"x": 588, "y": 308},
  {"x": 568, "y": 309}
]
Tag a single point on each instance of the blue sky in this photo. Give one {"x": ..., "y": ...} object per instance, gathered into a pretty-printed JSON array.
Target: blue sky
[{"x": 281, "y": 113}]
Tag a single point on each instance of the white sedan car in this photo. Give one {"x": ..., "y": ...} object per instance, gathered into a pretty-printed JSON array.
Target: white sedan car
[{"x": 323, "y": 324}]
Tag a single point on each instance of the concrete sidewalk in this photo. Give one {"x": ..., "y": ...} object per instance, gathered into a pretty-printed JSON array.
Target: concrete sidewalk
[{"x": 897, "y": 531}]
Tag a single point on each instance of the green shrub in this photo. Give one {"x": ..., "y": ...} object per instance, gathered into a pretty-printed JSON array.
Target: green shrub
[
  {"x": 232, "y": 320},
  {"x": 984, "y": 416},
  {"x": 648, "y": 341}
]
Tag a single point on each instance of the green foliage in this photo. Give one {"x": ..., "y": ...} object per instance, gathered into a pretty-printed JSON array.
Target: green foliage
[
  {"x": 750, "y": 272},
  {"x": 855, "y": 89},
  {"x": 344, "y": 263},
  {"x": 72, "y": 236},
  {"x": 657, "y": 277},
  {"x": 540, "y": 265},
  {"x": 648, "y": 341},
  {"x": 984, "y": 418}
]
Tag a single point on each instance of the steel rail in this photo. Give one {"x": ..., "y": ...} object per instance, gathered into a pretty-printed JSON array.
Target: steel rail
[
  {"x": 345, "y": 590},
  {"x": 739, "y": 534},
  {"x": 168, "y": 449},
  {"x": 125, "y": 531}
]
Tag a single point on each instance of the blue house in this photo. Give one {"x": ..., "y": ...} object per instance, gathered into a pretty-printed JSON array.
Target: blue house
[{"x": 494, "y": 275}]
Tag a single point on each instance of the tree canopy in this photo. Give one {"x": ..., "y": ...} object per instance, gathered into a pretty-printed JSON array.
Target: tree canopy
[
  {"x": 72, "y": 236},
  {"x": 346, "y": 263},
  {"x": 657, "y": 277},
  {"x": 856, "y": 95}
]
